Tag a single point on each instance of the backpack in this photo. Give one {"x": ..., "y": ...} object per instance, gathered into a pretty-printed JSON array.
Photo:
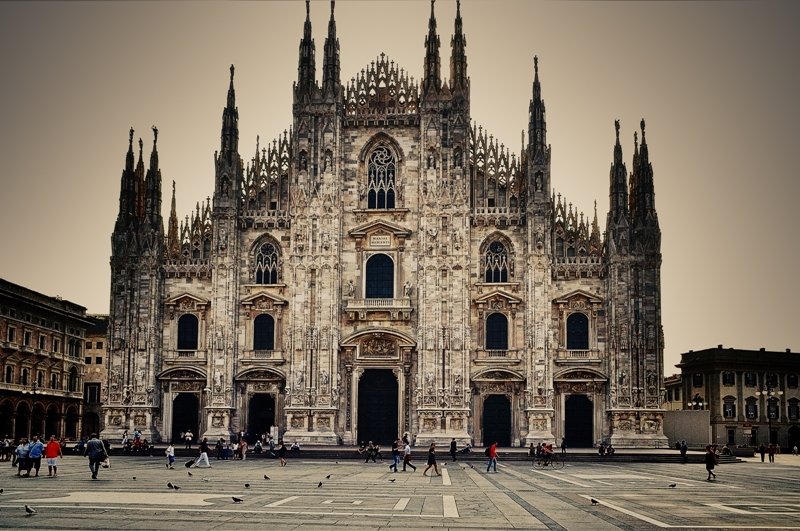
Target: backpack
[{"x": 486, "y": 452}]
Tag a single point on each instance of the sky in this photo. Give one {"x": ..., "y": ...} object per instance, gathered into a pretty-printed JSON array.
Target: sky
[{"x": 716, "y": 82}]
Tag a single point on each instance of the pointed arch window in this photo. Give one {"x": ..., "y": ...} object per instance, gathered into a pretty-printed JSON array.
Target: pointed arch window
[
  {"x": 267, "y": 264},
  {"x": 496, "y": 263},
  {"x": 497, "y": 332},
  {"x": 380, "y": 277},
  {"x": 578, "y": 332},
  {"x": 187, "y": 332},
  {"x": 381, "y": 171},
  {"x": 264, "y": 332}
]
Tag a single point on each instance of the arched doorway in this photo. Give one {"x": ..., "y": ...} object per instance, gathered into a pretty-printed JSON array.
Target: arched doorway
[
  {"x": 794, "y": 437},
  {"x": 497, "y": 420},
  {"x": 185, "y": 415},
  {"x": 91, "y": 422},
  {"x": 37, "y": 420},
  {"x": 6, "y": 415},
  {"x": 51, "y": 422},
  {"x": 578, "y": 424},
  {"x": 71, "y": 431},
  {"x": 378, "y": 406},
  {"x": 23, "y": 419},
  {"x": 260, "y": 415}
]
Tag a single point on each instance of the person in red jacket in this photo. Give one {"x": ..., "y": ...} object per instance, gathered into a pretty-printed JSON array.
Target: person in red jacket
[
  {"x": 51, "y": 453},
  {"x": 492, "y": 458}
]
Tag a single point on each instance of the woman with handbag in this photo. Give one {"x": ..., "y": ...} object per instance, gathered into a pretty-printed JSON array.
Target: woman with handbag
[{"x": 96, "y": 451}]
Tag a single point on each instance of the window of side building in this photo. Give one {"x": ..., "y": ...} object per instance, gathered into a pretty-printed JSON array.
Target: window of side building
[
  {"x": 697, "y": 379},
  {"x": 791, "y": 381},
  {"x": 729, "y": 407},
  {"x": 750, "y": 379},
  {"x": 728, "y": 378}
]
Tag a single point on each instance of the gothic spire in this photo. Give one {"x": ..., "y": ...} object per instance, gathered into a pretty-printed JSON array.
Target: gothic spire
[
  {"x": 432, "y": 81},
  {"x": 127, "y": 190},
  {"x": 331, "y": 79},
  {"x": 458, "y": 56},
  {"x": 140, "y": 183},
  {"x": 643, "y": 211},
  {"x": 173, "y": 240},
  {"x": 537, "y": 126},
  {"x": 152, "y": 198},
  {"x": 618, "y": 192},
  {"x": 230, "y": 125},
  {"x": 306, "y": 69}
]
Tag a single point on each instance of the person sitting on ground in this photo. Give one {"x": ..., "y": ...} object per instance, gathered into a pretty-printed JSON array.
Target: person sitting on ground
[
  {"x": 295, "y": 446},
  {"x": 601, "y": 449},
  {"x": 370, "y": 453},
  {"x": 467, "y": 449},
  {"x": 362, "y": 448},
  {"x": 258, "y": 447},
  {"x": 610, "y": 450}
]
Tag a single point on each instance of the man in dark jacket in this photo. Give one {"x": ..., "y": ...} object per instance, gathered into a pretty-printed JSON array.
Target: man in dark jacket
[{"x": 96, "y": 452}]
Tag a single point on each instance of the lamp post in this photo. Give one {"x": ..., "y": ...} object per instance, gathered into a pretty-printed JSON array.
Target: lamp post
[
  {"x": 770, "y": 395},
  {"x": 32, "y": 389},
  {"x": 697, "y": 402}
]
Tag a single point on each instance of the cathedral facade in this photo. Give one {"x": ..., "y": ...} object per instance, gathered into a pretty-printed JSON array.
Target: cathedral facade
[{"x": 387, "y": 267}]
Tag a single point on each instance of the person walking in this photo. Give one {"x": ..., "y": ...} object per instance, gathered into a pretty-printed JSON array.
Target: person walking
[
  {"x": 170, "y": 453},
  {"x": 771, "y": 449},
  {"x": 710, "y": 460},
  {"x": 51, "y": 453},
  {"x": 243, "y": 449},
  {"x": 188, "y": 439},
  {"x": 407, "y": 457},
  {"x": 282, "y": 452},
  {"x": 762, "y": 450},
  {"x": 453, "y": 449},
  {"x": 21, "y": 453},
  {"x": 492, "y": 458},
  {"x": 684, "y": 449},
  {"x": 395, "y": 454},
  {"x": 271, "y": 446},
  {"x": 96, "y": 452},
  {"x": 35, "y": 452},
  {"x": 203, "y": 458},
  {"x": 432, "y": 461},
  {"x": 563, "y": 445}
]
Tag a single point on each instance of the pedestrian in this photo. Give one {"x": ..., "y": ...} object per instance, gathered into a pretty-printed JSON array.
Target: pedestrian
[
  {"x": 243, "y": 449},
  {"x": 124, "y": 438},
  {"x": 170, "y": 453},
  {"x": 405, "y": 439},
  {"x": 224, "y": 450},
  {"x": 453, "y": 449},
  {"x": 407, "y": 456},
  {"x": 51, "y": 453},
  {"x": 235, "y": 448},
  {"x": 762, "y": 450},
  {"x": 282, "y": 452},
  {"x": 370, "y": 453},
  {"x": 188, "y": 439},
  {"x": 684, "y": 449},
  {"x": 203, "y": 458},
  {"x": 432, "y": 461},
  {"x": 96, "y": 452},
  {"x": 770, "y": 450},
  {"x": 35, "y": 451},
  {"x": 395, "y": 454},
  {"x": 492, "y": 453},
  {"x": 21, "y": 453},
  {"x": 218, "y": 448},
  {"x": 563, "y": 445},
  {"x": 710, "y": 460},
  {"x": 794, "y": 450},
  {"x": 271, "y": 446}
]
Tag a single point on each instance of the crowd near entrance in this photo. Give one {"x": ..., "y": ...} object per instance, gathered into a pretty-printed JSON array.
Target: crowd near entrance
[
  {"x": 260, "y": 415},
  {"x": 378, "y": 406},
  {"x": 185, "y": 415}
]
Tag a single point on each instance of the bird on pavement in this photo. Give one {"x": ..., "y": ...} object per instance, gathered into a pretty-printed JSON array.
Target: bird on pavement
[
  {"x": 328, "y": 476},
  {"x": 175, "y": 487},
  {"x": 134, "y": 478},
  {"x": 170, "y": 485},
  {"x": 237, "y": 500},
  {"x": 319, "y": 485},
  {"x": 266, "y": 476},
  {"x": 470, "y": 465},
  {"x": 673, "y": 485},
  {"x": 190, "y": 474},
  {"x": 391, "y": 480},
  {"x": 1, "y": 491},
  {"x": 30, "y": 510},
  {"x": 205, "y": 479},
  {"x": 594, "y": 502},
  {"x": 247, "y": 485}
]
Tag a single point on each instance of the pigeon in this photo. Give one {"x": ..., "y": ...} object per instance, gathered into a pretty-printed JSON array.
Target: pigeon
[
  {"x": 319, "y": 485},
  {"x": 236, "y": 500},
  {"x": 205, "y": 479},
  {"x": 266, "y": 476},
  {"x": 1, "y": 490},
  {"x": 328, "y": 476},
  {"x": 170, "y": 485},
  {"x": 190, "y": 474},
  {"x": 391, "y": 480},
  {"x": 470, "y": 465},
  {"x": 175, "y": 487},
  {"x": 594, "y": 502},
  {"x": 673, "y": 485},
  {"x": 134, "y": 478},
  {"x": 247, "y": 485},
  {"x": 30, "y": 510}
]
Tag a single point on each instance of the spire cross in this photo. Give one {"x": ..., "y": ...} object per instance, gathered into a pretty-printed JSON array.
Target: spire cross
[{"x": 155, "y": 134}]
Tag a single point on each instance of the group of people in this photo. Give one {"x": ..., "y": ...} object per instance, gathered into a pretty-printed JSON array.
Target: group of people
[
  {"x": 542, "y": 451},
  {"x": 606, "y": 450},
  {"x": 27, "y": 456}
]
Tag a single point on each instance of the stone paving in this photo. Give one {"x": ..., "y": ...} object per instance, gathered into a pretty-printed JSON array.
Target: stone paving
[{"x": 750, "y": 495}]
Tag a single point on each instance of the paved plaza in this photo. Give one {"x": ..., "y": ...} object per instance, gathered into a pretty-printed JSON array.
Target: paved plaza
[{"x": 750, "y": 495}]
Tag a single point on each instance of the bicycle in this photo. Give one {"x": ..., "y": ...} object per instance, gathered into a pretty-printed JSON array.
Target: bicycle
[{"x": 554, "y": 462}]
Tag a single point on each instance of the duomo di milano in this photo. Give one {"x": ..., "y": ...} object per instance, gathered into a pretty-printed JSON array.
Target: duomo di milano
[{"x": 385, "y": 267}]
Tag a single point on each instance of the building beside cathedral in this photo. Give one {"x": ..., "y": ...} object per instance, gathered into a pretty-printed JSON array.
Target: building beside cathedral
[{"x": 387, "y": 267}]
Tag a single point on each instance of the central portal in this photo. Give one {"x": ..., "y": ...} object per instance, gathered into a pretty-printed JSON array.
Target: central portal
[
  {"x": 497, "y": 420},
  {"x": 378, "y": 407},
  {"x": 261, "y": 415},
  {"x": 578, "y": 425},
  {"x": 185, "y": 416}
]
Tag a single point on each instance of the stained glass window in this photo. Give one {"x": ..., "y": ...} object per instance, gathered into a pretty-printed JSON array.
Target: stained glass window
[
  {"x": 380, "y": 277},
  {"x": 496, "y": 263},
  {"x": 267, "y": 264},
  {"x": 578, "y": 332},
  {"x": 264, "y": 332},
  {"x": 381, "y": 169},
  {"x": 497, "y": 332},
  {"x": 187, "y": 332}
]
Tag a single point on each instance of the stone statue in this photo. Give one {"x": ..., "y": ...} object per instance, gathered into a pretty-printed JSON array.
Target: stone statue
[{"x": 407, "y": 289}]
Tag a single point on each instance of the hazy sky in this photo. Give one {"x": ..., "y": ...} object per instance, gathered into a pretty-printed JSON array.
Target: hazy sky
[{"x": 717, "y": 83}]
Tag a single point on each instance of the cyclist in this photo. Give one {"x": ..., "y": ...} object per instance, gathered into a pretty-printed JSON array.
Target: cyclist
[{"x": 547, "y": 453}]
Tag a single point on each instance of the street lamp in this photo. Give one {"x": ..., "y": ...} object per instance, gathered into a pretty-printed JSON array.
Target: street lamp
[
  {"x": 697, "y": 401},
  {"x": 770, "y": 395},
  {"x": 32, "y": 389}
]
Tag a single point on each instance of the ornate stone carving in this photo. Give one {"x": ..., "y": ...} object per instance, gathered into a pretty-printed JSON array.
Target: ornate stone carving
[{"x": 378, "y": 347}]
